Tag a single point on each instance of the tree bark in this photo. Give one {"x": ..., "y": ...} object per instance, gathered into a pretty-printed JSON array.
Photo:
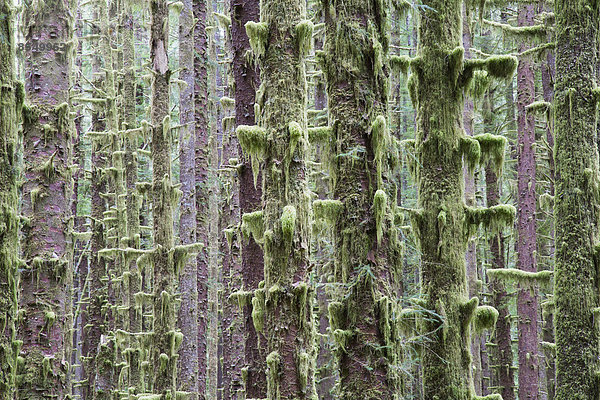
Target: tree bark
[
  {"x": 527, "y": 298},
  {"x": 576, "y": 275}
]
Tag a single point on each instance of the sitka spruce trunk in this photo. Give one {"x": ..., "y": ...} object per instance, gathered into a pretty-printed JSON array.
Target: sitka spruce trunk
[
  {"x": 282, "y": 308},
  {"x": 576, "y": 202},
  {"x": 360, "y": 152}
]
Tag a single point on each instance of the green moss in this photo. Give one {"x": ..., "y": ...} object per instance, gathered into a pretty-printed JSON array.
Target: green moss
[
  {"x": 493, "y": 218},
  {"x": 35, "y": 195},
  {"x": 304, "y": 361},
  {"x": 258, "y": 33},
  {"x": 328, "y": 210},
  {"x": 492, "y": 150},
  {"x": 227, "y": 103},
  {"x": 273, "y": 371},
  {"x": 253, "y": 224},
  {"x": 456, "y": 62},
  {"x": 224, "y": 20},
  {"x": 379, "y": 207},
  {"x": 304, "y": 33},
  {"x": 521, "y": 277},
  {"x": 479, "y": 84},
  {"x": 537, "y": 32},
  {"x": 494, "y": 396},
  {"x": 381, "y": 144},
  {"x": 400, "y": 64},
  {"x": 253, "y": 140},
  {"x": 502, "y": 66},
  {"x": 320, "y": 135},
  {"x": 467, "y": 310},
  {"x": 288, "y": 223},
  {"x": 471, "y": 151},
  {"x": 546, "y": 201},
  {"x": 539, "y": 106},
  {"x": 258, "y": 310},
  {"x": 485, "y": 318}
]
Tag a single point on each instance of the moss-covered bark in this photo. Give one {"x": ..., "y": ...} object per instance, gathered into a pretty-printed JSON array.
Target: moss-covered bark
[
  {"x": 166, "y": 339},
  {"x": 283, "y": 307},
  {"x": 441, "y": 224},
  {"x": 44, "y": 300},
  {"x": 11, "y": 99},
  {"x": 576, "y": 281},
  {"x": 367, "y": 250},
  {"x": 246, "y": 77},
  {"x": 187, "y": 321}
]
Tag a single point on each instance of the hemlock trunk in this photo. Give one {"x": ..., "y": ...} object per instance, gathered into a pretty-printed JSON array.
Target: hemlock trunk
[
  {"x": 363, "y": 317},
  {"x": 282, "y": 309},
  {"x": 11, "y": 99},
  {"x": 576, "y": 293},
  {"x": 47, "y": 191}
]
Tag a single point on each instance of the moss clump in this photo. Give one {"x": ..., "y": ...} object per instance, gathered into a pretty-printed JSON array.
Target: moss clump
[
  {"x": 539, "y": 106},
  {"x": 328, "y": 210},
  {"x": 258, "y": 310},
  {"x": 224, "y": 20},
  {"x": 493, "y": 218},
  {"x": 471, "y": 151},
  {"x": 379, "y": 207},
  {"x": 456, "y": 62},
  {"x": 546, "y": 201},
  {"x": 381, "y": 144},
  {"x": 227, "y": 103},
  {"x": 258, "y": 33},
  {"x": 304, "y": 33},
  {"x": 479, "y": 84},
  {"x": 304, "y": 361},
  {"x": 253, "y": 224},
  {"x": 253, "y": 140},
  {"x": 320, "y": 135},
  {"x": 400, "y": 64},
  {"x": 494, "y": 396},
  {"x": 521, "y": 277},
  {"x": 492, "y": 150},
  {"x": 273, "y": 367},
  {"x": 288, "y": 223},
  {"x": 502, "y": 66},
  {"x": 485, "y": 318}
]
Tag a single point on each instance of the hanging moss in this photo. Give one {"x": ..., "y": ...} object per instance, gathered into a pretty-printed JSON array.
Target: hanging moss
[
  {"x": 456, "y": 62},
  {"x": 380, "y": 206},
  {"x": 320, "y": 135},
  {"x": 492, "y": 150},
  {"x": 471, "y": 151},
  {"x": 381, "y": 144},
  {"x": 328, "y": 210},
  {"x": 546, "y": 201},
  {"x": 227, "y": 103},
  {"x": 304, "y": 360},
  {"x": 502, "y": 66},
  {"x": 536, "y": 32},
  {"x": 494, "y": 396},
  {"x": 304, "y": 34},
  {"x": 479, "y": 84},
  {"x": 258, "y": 309},
  {"x": 493, "y": 218},
  {"x": 253, "y": 141},
  {"x": 522, "y": 277},
  {"x": 253, "y": 224},
  {"x": 400, "y": 64},
  {"x": 273, "y": 371},
  {"x": 224, "y": 20},
  {"x": 288, "y": 223},
  {"x": 258, "y": 34},
  {"x": 485, "y": 318}
]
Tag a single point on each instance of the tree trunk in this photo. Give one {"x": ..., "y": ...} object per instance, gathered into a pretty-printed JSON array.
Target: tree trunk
[
  {"x": 527, "y": 300},
  {"x": 201, "y": 171},
  {"x": 282, "y": 309},
  {"x": 576, "y": 275},
  {"x": 246, "y": 77},
  {"x": 46, "y": 202},
  {"x": 187, "y": 320},
  {"x": 11, "y": 100},
  {"x": 164, "y": 198},
  {"x": 367, "y": 249}
]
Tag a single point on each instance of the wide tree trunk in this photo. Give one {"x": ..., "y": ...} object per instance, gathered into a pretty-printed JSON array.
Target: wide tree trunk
[
  {"x": 46, "y": 203},
  {"x": 11, "y": 100},
  {"x": 367, "y": 249},
  {"x": 282, "y": 309},
  {"x": 246, "y": 77},
  {"x": 527, "y": 298},
  {"x": 576, "y": 294}
]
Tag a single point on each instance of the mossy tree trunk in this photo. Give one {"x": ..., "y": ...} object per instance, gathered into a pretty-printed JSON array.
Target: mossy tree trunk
[
  {"x": 201, "y": 173},
  {"x": 45, "y": 331},
  {"x": 164, "y": 198},
  {"x": 11, "y": 99},
  {"x": 367, "y": 252},
  {"x": 246, "y": 77},
  {"x": 576, "y": 275},
  {"x": 501, "y": 357},
  {"x": 188, "y": 281},
  {"x": 283, "y": 307},
  {"x": 526, "y": 247}
]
